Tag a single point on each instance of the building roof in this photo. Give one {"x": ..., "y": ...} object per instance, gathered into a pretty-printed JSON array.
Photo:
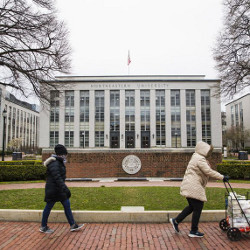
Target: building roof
[
  {"x": 135, "y": 78},
  {"x": 237, "y": 99}
]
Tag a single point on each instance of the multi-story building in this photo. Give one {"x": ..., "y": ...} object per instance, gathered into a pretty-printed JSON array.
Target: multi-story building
[
  {"x": 127, "y": 113},
  {"x": 21, "y": 122},
  {"x": 238, "y": 119}
]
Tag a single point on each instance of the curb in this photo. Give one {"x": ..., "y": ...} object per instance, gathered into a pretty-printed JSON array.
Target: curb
[{"x": 106, "y": 216}]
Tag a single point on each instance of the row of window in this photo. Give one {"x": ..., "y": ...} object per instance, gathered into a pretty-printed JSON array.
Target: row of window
[
  {"x": 160, "y": 100},
  {"x": 21, "y": 124}
]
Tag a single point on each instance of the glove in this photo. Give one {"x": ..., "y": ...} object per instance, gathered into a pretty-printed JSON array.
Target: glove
[
  {"x": 68, "y": 193},
  {"x": 226, "y": 178}
]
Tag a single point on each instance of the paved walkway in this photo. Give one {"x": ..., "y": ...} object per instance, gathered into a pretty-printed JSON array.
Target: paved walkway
[
  {"x": 119, "y": 184},
  {"x": 15, "y": 235}
]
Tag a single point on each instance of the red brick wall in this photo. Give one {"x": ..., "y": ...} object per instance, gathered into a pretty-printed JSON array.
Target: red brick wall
[{"x": 109, "y": 164}]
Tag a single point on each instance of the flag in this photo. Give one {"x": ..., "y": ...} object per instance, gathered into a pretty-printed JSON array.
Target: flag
[{"x": 129, "y": 61}]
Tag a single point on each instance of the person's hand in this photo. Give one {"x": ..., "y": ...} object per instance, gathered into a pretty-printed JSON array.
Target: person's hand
[
  {"x": 68, "y": 193},
  {"x": 226, "y": 178}
]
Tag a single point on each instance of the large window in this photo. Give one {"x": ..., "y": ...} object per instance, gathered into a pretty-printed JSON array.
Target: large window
[
  {"x": 114, "y": 110},
  {"x": 69, "y": 139},
  {"x": 190, "y": 118},
  {"x": 69, "y": 118},
  {"x": 69, "y": 106},
  {"x": 160, "y": 118},
  {"x": 175, "y": 118},
  {"x": 130, "y": 110},
  {"x": 145, "y": 110},
  {"x": 84, "y": 119},
  {"x": 145, "y": 118},
  {"x": 54, "y": 117},
  {"x": 99, "y": 118},
  {"x": 237, "y": 115},
  {"x": 115, "y": 119},
  {"x": 130, "y": 119},
  {"x": 206, "y": 116}
]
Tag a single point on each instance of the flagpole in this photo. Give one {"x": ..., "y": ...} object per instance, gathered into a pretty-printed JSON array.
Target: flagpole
[{"x": 129, "y": 61}]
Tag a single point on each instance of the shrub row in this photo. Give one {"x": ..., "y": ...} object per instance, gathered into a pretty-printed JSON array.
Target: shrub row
[
  {"x": 238, "y": 170},
  {"x": 22, "y": 162},
  {"x": 22, "y": 171}
]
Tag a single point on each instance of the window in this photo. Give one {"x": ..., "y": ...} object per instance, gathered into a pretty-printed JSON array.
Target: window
[
  {"x": 130, "y": 110},
  {"x": 160, "y": 118},
  {"x": 145, "y": 110},
  {"x": 175, "y": 118},
  {"x": 99, "y": 118},
  {"x": 114, "y": 110},
  {"x": 190, "y": 118},
  {"x": 69, "y": 106},
  {"x": 69, "y": 139}
]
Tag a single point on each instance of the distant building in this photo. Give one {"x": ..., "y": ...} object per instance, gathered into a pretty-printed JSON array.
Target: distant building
[
  {"x": 238, "y": 117},
  {"x": 22, "y": 120}
]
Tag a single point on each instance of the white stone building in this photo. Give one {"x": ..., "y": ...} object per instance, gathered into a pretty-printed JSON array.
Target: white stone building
[
  {"x": 22, "y": 120},
  {"x": 238, "y": 115},
  {"x": 132, "y": 112}
]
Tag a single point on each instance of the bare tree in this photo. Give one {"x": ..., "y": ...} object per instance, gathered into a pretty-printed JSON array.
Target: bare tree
[
  {"x": 236, "y": 137},
  {"x": 232, "y": 51},
  {"x": 33, "y": 45}
]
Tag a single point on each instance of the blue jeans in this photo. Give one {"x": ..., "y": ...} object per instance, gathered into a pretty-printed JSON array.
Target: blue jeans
[{"x": 67, "y": 211}]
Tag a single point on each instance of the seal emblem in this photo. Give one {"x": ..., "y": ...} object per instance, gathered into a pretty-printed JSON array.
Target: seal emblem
[{"x": 131, "y": 164}]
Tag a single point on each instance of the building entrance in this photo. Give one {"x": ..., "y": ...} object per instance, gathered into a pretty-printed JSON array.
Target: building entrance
[
  {"x": 130, "y": 139},
  {"x": 145, "y": 139},
  {"x": 115, "y": 139}
]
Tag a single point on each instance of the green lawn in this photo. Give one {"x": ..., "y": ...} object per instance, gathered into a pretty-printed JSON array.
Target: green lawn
[{"x": 112, "y": 198}]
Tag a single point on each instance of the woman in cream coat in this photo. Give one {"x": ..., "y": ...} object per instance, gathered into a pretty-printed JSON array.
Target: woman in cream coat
[{"x": 193, "y": 187}]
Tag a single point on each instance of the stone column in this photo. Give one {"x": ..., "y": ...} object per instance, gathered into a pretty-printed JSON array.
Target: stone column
[{"x": 216, "y": 126}]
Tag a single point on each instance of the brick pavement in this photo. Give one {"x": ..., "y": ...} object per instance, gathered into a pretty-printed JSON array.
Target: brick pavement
[{"x": 20, "y": 235}]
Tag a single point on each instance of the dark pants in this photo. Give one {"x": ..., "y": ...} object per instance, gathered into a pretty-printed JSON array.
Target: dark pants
[
  {"x": 67, "y": 211},
  {"x": 194, "y": 206}
]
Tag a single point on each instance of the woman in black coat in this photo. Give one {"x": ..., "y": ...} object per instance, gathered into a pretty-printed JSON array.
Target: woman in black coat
[{"x": 56, "y": 189}]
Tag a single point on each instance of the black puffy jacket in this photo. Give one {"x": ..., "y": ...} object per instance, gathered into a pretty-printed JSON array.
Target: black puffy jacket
[{"x": 55, "y": 188}]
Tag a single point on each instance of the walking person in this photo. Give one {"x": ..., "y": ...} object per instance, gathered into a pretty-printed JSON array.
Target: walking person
[
  {"x": 193, "y": 187},
  {"x": 56, "y": 189}
]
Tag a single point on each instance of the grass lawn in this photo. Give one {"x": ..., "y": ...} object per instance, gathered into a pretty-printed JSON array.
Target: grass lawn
[{"x": 112, "y": 198}]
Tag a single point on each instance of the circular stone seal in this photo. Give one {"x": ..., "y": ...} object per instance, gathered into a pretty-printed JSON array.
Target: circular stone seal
[{"x": 131, "y": 164}]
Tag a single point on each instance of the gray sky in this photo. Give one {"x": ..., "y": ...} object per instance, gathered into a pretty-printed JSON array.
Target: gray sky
[{"x": 164, "y": 36}]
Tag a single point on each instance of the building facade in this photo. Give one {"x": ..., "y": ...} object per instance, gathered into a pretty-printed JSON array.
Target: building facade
[
  {"x": 238, "y": 118},
  {"x": 128, "y": 113},
  {"x": 21, "y": 122}
]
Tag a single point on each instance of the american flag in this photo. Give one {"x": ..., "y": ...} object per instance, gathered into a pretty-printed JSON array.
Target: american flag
[{"x": 129, "y": 61}]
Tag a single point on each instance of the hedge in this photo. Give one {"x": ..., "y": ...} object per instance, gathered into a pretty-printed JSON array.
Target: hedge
[
  {"x": 236, "y": 170},
  {"x": 22, "y": 171}
]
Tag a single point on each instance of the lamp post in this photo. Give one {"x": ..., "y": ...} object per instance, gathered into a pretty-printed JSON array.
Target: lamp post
[
  {"x": 176, "y": 134},
  {"x": 82, "y": 134},
  {"x": 4, "y": 119}
]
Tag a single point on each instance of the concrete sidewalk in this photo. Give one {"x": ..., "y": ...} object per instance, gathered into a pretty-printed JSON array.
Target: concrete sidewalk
[
  {"x": 17, "y": 235},
  {"x": 109, "y": 182}
]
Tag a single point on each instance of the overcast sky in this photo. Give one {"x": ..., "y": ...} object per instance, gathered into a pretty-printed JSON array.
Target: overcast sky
[{"x": 165, "y": 37}]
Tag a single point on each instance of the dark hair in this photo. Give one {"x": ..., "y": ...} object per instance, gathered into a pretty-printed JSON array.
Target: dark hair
[{"x": 60, "y": 150}]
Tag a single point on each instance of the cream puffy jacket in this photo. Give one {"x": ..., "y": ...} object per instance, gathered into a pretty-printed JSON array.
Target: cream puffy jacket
[{"x": 197, "y": 174}]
